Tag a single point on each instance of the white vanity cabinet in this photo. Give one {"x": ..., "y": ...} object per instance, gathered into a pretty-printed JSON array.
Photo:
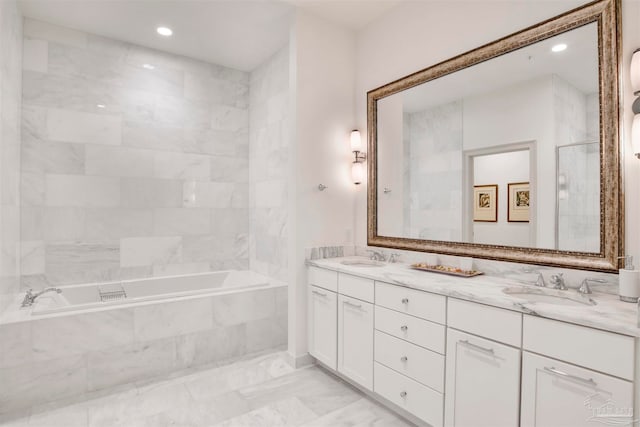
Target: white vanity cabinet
[
  {"x": 323, "y": 325},
  {"x": 355, "y": 340},
  {"x": 483, "y": 376},
  {"x": 560, "y": 394}
]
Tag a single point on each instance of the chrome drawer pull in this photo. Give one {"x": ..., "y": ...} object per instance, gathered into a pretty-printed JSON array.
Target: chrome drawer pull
[
  {"x": 405, "y": 300},
  {"x": 319, "y": 293},
  {"x": 477, "y": 347},
  {"x": 404, "y": 328},
  {"x": 403, "y": 394},
  {"x": 352, "y": 304},
  {"x": 404, "y": 359},
  {"x": 562, "y": 374}
]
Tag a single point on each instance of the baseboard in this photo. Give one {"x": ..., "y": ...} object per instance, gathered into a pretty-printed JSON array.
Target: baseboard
[{"x": 300, "y": 361}]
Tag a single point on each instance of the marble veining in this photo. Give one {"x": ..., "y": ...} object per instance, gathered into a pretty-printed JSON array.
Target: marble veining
[
  {"x": 609, "y": 314},
  {"x": 261, "y": 390}
]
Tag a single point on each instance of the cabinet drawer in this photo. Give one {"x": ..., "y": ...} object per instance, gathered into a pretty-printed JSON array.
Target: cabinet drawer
[
  {"x": 323, "y": 278},
  {"x": 421, "y": 332},
  {"x": 592, "y": 348},
  {"x": 410, "y": 395},
  {"x": 560, "y": 394},
  {"x": 490, "y": 322},
  {"x": 356, "y": 287},
  {"x": 419, "y": 364},
  {"x": 416, "y": 303}
]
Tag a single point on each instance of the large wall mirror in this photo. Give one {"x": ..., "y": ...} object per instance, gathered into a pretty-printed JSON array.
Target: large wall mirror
[{"x": 509, "y": 151}]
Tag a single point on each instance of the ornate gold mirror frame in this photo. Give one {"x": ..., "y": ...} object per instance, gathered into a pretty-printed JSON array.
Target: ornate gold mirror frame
[{"x": 607, "y": 15}]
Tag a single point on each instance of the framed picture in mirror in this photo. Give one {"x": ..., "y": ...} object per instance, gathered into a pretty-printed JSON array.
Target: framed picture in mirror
[
  {"x": 485, "y": 203},
  {"x": 519, "y": 201}
]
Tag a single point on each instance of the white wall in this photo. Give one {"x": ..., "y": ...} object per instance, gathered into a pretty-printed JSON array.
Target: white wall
[
  {"x": 416, "y": 35},
  {"x": 322, "y": 69},
  {"x": 502, "y": 169}
]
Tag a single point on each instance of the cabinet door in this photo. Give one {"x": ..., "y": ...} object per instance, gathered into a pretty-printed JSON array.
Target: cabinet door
[
  {"x": 355, "y": 340},
  {"x": 322, "y": 327},
  {"x": 482, "y": 382},
  {"x": 560, "y": 394}
]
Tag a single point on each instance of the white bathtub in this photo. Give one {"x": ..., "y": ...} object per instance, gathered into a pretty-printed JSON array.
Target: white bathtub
[{"x": 86, "y": 296}]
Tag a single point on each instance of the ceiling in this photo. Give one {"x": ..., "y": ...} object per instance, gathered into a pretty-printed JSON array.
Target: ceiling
[{"x": 240, "y": 34}]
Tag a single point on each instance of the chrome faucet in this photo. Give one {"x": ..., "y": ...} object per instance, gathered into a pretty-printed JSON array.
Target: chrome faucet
[
  {"x": 394, "y": 257},
  {"x": 376, "y": 255},
  {"x": 30, "y": 297},
  {"x": 558, "y": 282},
  {"x": 540, "y": 281},
  {"x": 585, "y": 288}
]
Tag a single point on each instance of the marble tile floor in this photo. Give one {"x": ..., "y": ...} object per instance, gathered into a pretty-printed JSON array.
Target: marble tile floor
[{"x": 260, "y": 391}]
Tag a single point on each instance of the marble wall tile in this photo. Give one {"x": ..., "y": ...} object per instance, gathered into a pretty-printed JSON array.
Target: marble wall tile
[
  {"x": 244, "y": 307},
  {"x": 211, "y": 346},
  {"x": 81, "y": 191},
  {"x": 36, "y": 383},
  {"x": 76, "y": 335},
  {"x": 175, "y": 318},
  {"x": 129, "y": 363},
  {"x": 133, "y": 180},
  {"x": 32, "y": 257},
  {"x": 181, "y": 221},
  {"x": 10, "y": 129},
  {"x": 181, "y": 166},
  {"x": 151, "y": 193},
  {"x": 35, "y": 55},
  {"x": 140, "y": 251},
  {"x": 118, "y": 161},
  {"x": 85, "y": 128},
  {"x": 52, "y": 157},
  {"x": 113, "y": 224},
  {"x": 15, "y": 344},
  {"x": 80, "y": 262}
]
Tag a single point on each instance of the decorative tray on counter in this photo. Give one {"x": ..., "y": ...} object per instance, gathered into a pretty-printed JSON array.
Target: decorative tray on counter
[{"x": 444, "y": 269}]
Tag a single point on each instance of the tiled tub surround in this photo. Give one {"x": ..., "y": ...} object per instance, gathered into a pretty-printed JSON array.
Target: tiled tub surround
[
  {"x": 609, "y": 314},
  {"x": 268, "y": 165},
  {"x": 10, "y": 77},
  {"x": 72, "y": 356},
  {"x": 129, "y": 172}
]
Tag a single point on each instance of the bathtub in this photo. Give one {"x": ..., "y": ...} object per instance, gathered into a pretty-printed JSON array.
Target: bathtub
[
  {"x": 94, "y": 295},
  {"x": 92, "y": 337}
]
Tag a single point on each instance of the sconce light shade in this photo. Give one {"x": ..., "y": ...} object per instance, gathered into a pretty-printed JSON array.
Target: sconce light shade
[
  {"x": 356, "y": 141},
  {"x": 635, "y": 72},
  {"x": 357, "y": 172},
  {"x": 635, "y": 135}
]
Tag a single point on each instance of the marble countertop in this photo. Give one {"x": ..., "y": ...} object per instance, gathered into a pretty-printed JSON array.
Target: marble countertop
[{"x": 609, "y": 313}]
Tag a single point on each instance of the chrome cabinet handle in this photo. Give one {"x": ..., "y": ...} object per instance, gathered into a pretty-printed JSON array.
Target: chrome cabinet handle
[
  {"x": 562, "y": 374},
  {"x": 477, "y": 347},
  {"x": 405, "y": 300},
  {"x": 404, "y": 328},
  {"x": 352, "y": 304},
  {"x": 403, "y": 394},
  {"x": 319, "y": 293},
  {"x": 404, "y": 358}
]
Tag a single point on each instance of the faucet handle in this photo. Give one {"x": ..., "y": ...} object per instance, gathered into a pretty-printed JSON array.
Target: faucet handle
[
  {"x": 394, "y": 257},
  {"x": 540, "y": 281}
]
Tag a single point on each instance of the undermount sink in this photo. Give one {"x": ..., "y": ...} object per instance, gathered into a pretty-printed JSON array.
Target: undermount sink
[
  {"x": 362, "y": 263},
  {"x": 550, "y": 296}
]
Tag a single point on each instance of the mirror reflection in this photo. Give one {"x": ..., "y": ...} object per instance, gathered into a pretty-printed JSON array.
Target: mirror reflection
[{"x": 505, "y": 152}]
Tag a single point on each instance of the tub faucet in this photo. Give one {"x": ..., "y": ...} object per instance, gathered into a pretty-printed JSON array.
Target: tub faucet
[
  {"x": 558, "y": 282},
  {"x": 30, "y": 297}
]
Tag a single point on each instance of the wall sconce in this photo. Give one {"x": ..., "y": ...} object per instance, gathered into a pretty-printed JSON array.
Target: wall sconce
[
  {"x": 635, "y": 86},
  {"x": 357, "y": 168}
]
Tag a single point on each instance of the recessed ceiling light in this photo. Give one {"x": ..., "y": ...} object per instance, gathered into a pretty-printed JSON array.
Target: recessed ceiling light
[
  {"x": 559, "y": 47},
  {"x": 101, "y": 106},
  {"x": 148, "y": 66},
  {"x": 164, "y": 31}
]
